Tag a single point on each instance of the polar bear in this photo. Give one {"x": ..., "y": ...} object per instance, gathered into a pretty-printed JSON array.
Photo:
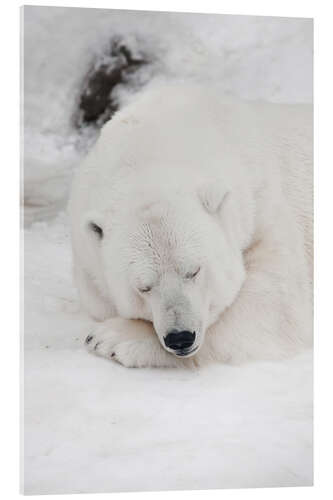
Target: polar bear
[{"x": 191, "y": 224}]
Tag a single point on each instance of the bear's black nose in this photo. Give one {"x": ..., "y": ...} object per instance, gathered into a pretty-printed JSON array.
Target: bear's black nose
[{"x": 179, "y": 341}]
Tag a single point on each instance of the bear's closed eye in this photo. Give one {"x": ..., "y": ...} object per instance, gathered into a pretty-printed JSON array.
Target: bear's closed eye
[
  {"x": 192, "y": 275},
  {"x": 145, "y": 289}
]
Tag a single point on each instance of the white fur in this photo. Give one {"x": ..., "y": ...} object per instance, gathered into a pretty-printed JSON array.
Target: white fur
[{"x": 183, "y": 179}]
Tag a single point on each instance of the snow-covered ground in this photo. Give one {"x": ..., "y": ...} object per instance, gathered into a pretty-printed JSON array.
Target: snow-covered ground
[{"x": 91, "y": 425}]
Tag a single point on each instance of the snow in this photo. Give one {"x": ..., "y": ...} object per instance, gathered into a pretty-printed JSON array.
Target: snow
[{"x": 91, "y": 425}]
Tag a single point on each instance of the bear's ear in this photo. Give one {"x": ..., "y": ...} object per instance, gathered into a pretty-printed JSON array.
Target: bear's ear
[
  {"x": 213, "y": 196},
  {"x": 93, "y": 225}
]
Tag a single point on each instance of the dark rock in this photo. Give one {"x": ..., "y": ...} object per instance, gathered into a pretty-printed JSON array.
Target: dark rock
[{"x": 117, "y": 66}]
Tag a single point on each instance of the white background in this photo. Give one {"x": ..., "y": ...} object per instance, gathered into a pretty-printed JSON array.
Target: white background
[{"x": 10, "y": 235}]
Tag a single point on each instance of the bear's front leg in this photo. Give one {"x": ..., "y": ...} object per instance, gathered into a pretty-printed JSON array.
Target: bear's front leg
[
  {"x": 98, "y": 307},
  {"x": 133, "y": 343}
]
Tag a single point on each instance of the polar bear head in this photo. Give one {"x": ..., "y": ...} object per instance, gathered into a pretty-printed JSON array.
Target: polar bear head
[{"x": 175, "y": 261}]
